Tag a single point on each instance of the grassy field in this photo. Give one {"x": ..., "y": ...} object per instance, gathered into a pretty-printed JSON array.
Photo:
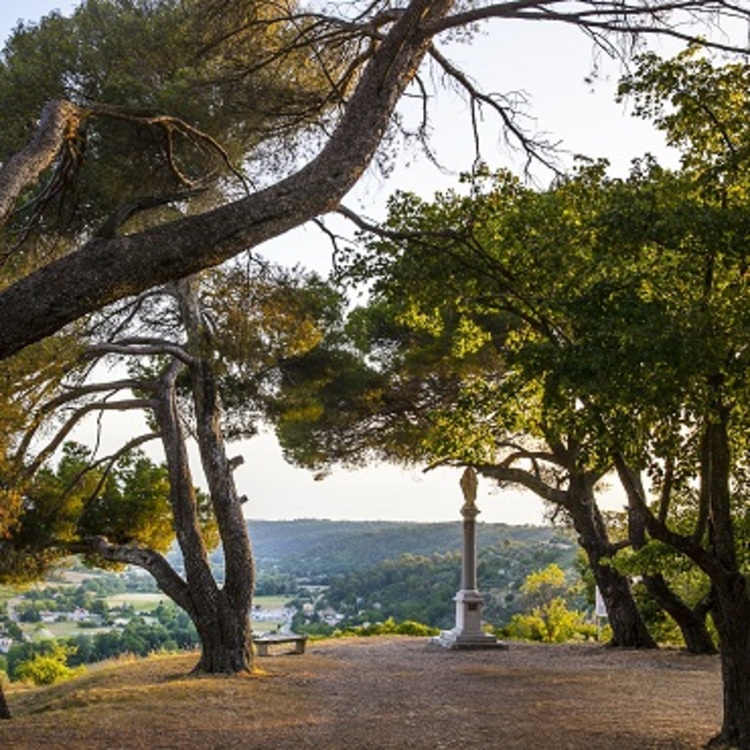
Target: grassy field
[
  {"x": 142, "y": 602},
  {"x": 271, "y": 602}
]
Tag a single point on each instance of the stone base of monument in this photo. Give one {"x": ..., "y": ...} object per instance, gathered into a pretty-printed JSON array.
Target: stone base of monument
[
  {"x": 468, "y": 632},
  {"x": 455, "y": 640}
]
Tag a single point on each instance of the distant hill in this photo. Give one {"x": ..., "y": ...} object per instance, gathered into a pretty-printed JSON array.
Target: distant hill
[{"x": 311, "y": 547}]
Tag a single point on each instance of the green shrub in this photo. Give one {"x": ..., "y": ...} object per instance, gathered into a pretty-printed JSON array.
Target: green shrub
[
  {"x": 391, "y": 627},
  {"x": 48, "y": 668}
]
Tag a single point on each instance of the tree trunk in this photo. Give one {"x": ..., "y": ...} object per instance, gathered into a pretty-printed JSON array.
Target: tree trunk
[
  {"x": 691, "y": 621},
  {"x": 731, "y": 616},
  {"x": 221, "y": 619},
  {"x": 224, "y": 628},
  {"x": 731, "y": 601},
  {"x": 628, "y": 628},
  {"x": 226, "y": 641},
  {"x": 4, "y": 710}
]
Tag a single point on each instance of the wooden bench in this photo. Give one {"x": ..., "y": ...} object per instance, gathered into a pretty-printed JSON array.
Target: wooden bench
[{"x": 263, "y": 642}]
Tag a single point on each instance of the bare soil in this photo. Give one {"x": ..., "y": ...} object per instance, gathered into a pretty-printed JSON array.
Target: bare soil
[{"x": 377, "y": 693}]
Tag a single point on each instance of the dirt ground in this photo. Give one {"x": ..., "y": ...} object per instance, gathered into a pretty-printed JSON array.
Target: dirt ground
[{"x": 377, "y": 693}]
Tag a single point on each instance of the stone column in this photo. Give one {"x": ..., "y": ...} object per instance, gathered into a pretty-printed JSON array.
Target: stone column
[
  {"x": 469, "y": 511},
  {"x": 468, "y": 631}
]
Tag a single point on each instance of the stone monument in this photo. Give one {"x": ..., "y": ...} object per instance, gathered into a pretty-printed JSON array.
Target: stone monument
[{"x": 468, "y": 631}]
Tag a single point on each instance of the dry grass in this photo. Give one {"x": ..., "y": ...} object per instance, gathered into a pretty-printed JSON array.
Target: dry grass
[{"x": 383, "y": 693}]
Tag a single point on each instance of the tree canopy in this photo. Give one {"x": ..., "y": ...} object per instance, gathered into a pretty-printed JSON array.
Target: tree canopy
[{"x": 609, "y": 320}]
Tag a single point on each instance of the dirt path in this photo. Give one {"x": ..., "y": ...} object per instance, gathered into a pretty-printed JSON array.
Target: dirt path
[
  {"x": 402, "y": 694},
  {"x": 380, "y": 693}
]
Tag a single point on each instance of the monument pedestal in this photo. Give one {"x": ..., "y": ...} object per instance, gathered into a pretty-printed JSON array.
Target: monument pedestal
[{"x": 468, "y": 631}]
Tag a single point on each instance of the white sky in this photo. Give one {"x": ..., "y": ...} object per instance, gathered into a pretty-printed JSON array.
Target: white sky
[{"x": 550, "y": 66}]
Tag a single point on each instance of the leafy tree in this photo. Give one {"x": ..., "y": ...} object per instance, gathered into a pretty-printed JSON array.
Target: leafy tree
[
  {"x": 545, "y": 592},
  {"x": 690, "y": 431},
  {"x": 468, "y": 303},
  {"x": 618, "y": 309},
  {"x": 212, "y": 343}
]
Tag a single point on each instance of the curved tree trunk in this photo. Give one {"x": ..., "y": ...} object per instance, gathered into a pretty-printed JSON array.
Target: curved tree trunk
[
  {"x": 691, "y": 621},
  {"x": 226, "y": 631},
  {"x": 221, "y": 614},
  {"x": 628, "y": 627},
  {"x": 108, "y": 269}
]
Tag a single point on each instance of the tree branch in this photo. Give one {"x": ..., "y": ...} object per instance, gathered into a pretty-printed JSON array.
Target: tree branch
[
  {"x": 58, "y": 121},
  {"x": 142, "y": 347},
  {"x": 165, "y": 576},
  {"x": 105, "y": 270},
  {"x": 74, "y": 419}
]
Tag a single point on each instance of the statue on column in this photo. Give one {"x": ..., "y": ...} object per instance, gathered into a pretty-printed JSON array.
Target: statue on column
[{"x": 468, "y": 631}]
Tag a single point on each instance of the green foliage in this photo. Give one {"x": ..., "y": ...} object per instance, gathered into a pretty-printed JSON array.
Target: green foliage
[
  {"x": 554, "y": 623},
  {"x": 390, "y": 627},
  {"x": 49, "y": 667},
  {"x": 548, "y": 619},
  {"x": 141, "y": 68},
  {"x": 65, "y": 504}
]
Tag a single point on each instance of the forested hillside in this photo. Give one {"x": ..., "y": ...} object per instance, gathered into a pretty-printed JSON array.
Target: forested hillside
[{"x": 314, "y": 548}]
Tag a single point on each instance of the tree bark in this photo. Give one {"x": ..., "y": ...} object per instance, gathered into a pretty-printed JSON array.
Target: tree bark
[
  {"x": 690, "y": 621},
  {"x": 628, "y": 627},
  {"x": 226, "y": 638},
  {"x": 731, "y": 616},
  {"x": 221, "y": 616},
  {"x": 59, "y": 121},
  {"x": 731, "y": 599},
  {"x": 716, "y": 555},
  {"x": 4, "y": 709},
  {"x": 228, "y": 635}
]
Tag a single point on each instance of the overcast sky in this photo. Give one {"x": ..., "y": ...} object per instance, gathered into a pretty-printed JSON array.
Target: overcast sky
[{"x": 551, "y": 67}]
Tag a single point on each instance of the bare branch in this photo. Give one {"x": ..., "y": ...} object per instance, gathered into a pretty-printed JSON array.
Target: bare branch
[
  {"x": 611, "y": 16},
  {"x": 166, "y": 577},
  {"x": 110, "y": 461},
  {"x": 113, "y": 224},
  {"x": 74, "y": 419},
  {"x": 499, "y": 104},
  {"x": 138, "y": 347},
  {"x": 59, "y": 121}
]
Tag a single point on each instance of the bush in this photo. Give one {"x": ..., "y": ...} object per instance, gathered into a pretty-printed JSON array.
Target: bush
[
  {"x": 49, "y": 668},
  {"x": 391, "y": 627}
]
